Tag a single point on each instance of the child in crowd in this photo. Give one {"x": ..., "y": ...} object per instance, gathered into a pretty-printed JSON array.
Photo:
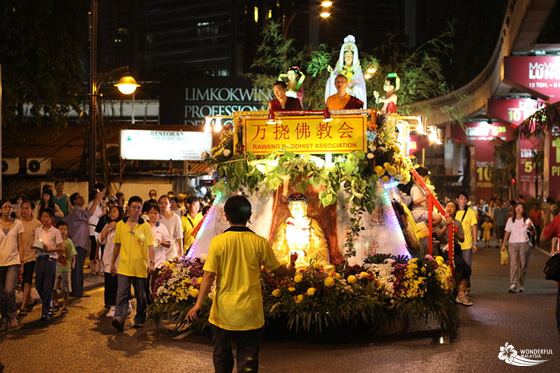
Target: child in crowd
[
  {"x": 64, "y": 265},
  {"x": 487, "y": 231},
  {"x": 48, "y": 242}
]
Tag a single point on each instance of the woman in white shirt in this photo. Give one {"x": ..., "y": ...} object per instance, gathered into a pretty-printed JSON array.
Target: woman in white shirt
[
  {"x": 173, "y": 224},
  {"x": 518, "y": 229},
  {"x": 11, "y": 254},
  {"x": 106, "y": 238}
]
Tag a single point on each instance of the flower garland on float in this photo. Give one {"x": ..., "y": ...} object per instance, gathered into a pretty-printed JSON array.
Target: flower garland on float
[{"x": 384, "y": 290}]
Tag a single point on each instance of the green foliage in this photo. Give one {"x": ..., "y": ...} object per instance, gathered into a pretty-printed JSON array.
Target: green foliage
[
  {"x": 41, "y": 44},
  {"x": 420, "y": 72}
]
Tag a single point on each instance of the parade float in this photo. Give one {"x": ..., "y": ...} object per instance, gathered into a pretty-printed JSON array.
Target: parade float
[{"x": 322, "y": 184}]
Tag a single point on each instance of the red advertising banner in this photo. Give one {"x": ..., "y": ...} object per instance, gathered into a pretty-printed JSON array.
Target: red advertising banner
[
  {"x": 513, "y": 110},
  {"x": 554, "y": 162},
  {"x": 537, "y": 75},
  {"x": 527, "y": 149},
  {"x": 479, "y": 135}
]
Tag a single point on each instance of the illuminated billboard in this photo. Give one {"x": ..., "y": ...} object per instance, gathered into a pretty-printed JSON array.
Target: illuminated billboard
[{"x": 164, "y": 145}]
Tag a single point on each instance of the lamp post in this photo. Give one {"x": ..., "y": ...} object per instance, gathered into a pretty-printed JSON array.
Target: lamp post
[
  {"x": 313, "y": 22},
  {"x": 127, "y": 85}
]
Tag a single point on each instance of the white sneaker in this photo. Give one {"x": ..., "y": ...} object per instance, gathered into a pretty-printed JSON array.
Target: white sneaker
[
  {"x": 512, "y": 289},
  {"x": 129, "y": 310},
  {"x": 111, "y": 312},
  {"x": 464, "y": 300}
]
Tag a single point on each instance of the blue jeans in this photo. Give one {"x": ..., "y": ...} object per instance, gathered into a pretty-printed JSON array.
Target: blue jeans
[
  {"x": 8, "y": 279},
  {"x": 123, "y": 292},
  {"x": 45, "y": 272},
  {"x": 78, "y": 273}
]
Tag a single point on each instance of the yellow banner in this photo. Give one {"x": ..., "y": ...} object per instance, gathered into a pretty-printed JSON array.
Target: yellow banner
[{"x": 308, "y": 134}]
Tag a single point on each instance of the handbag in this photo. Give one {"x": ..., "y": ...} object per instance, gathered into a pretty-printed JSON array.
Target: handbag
[
  {"x": 504, "y": 257},
  {"x": 552, "y": 268}
]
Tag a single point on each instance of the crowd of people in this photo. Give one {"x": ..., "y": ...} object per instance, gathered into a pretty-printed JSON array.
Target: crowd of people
[{"x": 48, "y": 242}]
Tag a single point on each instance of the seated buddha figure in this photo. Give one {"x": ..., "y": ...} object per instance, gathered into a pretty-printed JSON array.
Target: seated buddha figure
[{"x": 300, "y": 234}]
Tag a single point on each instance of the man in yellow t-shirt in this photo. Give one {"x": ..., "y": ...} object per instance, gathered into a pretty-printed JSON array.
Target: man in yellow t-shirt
[
  {"x": 234, "y": 261},
  {"x": 468, "y": 218},
  {"x": 134, "y": 242},
  {"x": 190, "y": 221}
]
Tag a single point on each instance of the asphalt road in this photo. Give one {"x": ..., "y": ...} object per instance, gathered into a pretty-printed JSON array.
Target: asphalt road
[{"x": 85, "y": 341}]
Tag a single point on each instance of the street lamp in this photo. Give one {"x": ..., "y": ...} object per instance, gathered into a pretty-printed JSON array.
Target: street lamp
[
  {"x": 127, "y": 85},
  {"x": 323, "y": 13}
]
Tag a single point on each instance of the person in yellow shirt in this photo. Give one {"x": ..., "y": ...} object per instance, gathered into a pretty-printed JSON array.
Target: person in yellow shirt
[
  {"x": 234, "y": 261},
  {"x": 341, "y": 100},
  {"x": 487, "y": 231},
  {"x": 190, "y": 221},
  {"x": 134, "y": 242},
  {"x": 468, "y": 218}
]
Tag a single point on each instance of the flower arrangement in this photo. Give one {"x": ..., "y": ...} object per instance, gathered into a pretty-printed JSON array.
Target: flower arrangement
[
  {"x": 395, "y": 290},
  {"x": 175, "y": 290}
]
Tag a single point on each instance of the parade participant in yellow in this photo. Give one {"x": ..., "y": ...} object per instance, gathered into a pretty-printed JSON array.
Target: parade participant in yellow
[
  {"x": 190, "y": 221},
  {"x": 300, "y": 234}
]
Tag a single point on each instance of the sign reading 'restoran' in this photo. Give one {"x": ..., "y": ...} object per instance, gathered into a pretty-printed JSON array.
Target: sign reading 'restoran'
[
  {"x": 164, "y": 145},
  {"x": 309, "y": 134},
  {"x": 537, "y": 75}
]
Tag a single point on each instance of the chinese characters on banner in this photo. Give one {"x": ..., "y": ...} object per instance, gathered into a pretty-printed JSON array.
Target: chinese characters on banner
[{"x": 308, "y": 134}]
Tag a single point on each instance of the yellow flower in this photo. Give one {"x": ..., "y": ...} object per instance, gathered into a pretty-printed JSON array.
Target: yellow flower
[
  {"x": 386, "y": 164},
  {"x": 329, "y": 281},
  {"x": 379, "y": 170},
  {"x": 351, "y": 279},
  {"x": 337, "y": 275},
  {"x": 364, "y": 274},
  {"x": 298, "y": 278},
  {"x": 311, "y": 291},
  {"x": 194, "y": 292},
  {"x": 299, "y": 298},
  {"x": 199, "y": 280},
  {"x": 316, "y": 265},
  {"x": 396, "y": 148},
  {"x": 165, "y": 264},
  {"x": 276, "y": 293},
  {"x": 385, "y": 179},
  {"x": 291, "y": 289}
]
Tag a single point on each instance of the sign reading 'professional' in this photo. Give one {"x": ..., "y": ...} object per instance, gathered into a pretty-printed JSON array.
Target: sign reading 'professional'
[{"x": 188, "y": 101}]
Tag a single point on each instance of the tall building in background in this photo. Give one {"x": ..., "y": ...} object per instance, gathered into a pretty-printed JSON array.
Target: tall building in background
[{"x": 220, "y": 37}]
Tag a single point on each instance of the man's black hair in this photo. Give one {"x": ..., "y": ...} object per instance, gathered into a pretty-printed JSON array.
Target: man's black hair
[
  {"x": 134, "y": 199},
  {"x": 49, "y": 211},
  {"x": 73, "y": 198},
  {"x": 61, "y": 222},
  {"x": 463, "y": 193},
  {"x": 281, "y": 84},
  {"x": 238, "y": 210}
]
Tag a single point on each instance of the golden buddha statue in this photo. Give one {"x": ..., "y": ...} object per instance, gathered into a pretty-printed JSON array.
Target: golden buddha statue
[{"x": 300, "y": 234}]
